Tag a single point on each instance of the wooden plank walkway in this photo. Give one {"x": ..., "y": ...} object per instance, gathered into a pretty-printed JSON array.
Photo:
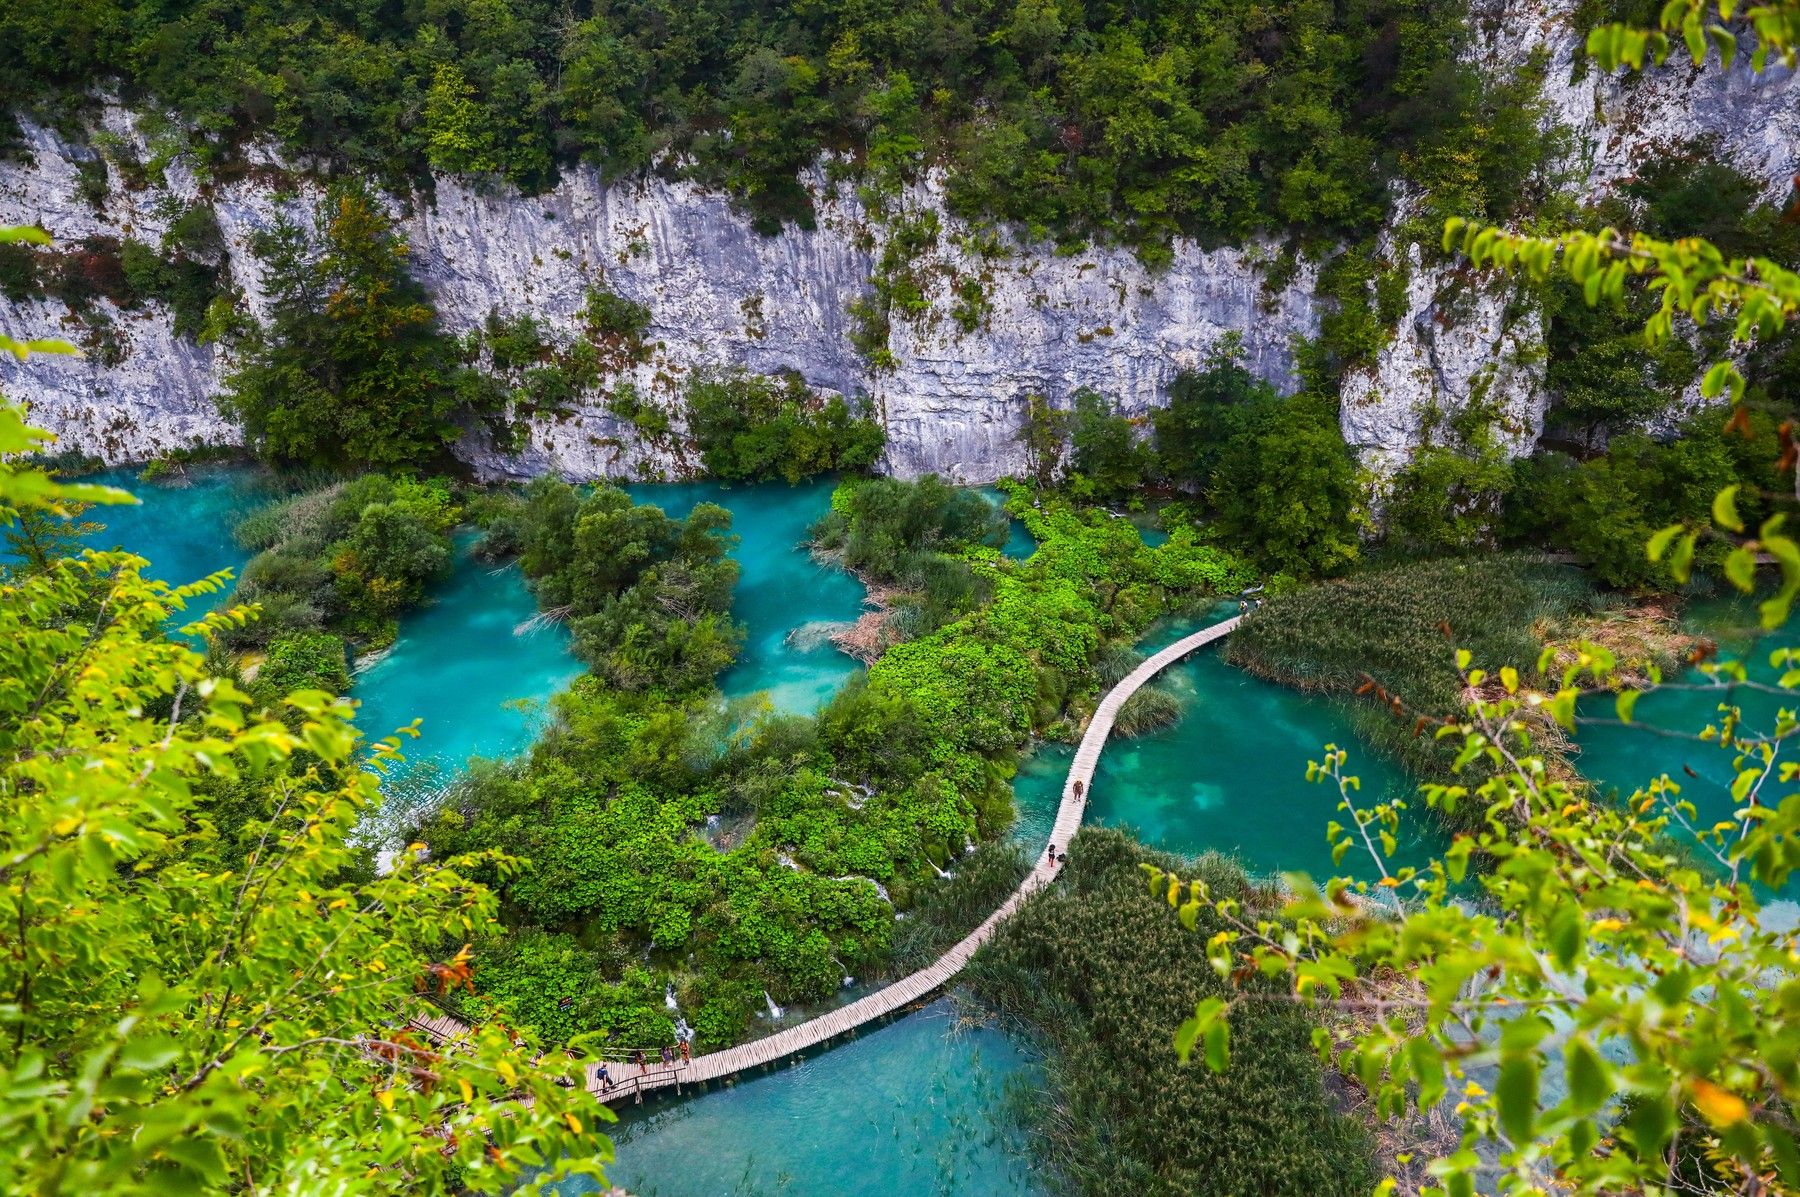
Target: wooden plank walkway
[{"x": 628, "y": 1080}]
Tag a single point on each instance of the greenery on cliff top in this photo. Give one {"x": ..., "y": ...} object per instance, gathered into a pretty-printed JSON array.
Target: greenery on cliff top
[{"x": 1203, "y": 117}]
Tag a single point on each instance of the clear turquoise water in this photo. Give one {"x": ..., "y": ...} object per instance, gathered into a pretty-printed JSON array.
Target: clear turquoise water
[
  {"x": 473, "y": 668},
  {"x": 1020, "y": 543},
  {"x": 912, "y": 1107},
  {"x": 182, "y": 524},
  {"x": 1623, "y": 759},
  {"x": 466, "y": 664},
  {"x": 782, "y": 593},
  {"x": 1230, "y": 776}
]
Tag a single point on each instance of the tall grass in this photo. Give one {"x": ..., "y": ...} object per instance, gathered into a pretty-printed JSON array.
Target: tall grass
[
  {"x": 1101, "y": 973},
  {"x": 1400, "y": 627},
  {"x": 1148, "y": 708}
]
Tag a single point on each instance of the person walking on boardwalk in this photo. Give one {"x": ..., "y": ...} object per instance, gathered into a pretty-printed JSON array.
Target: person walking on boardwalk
[
  {"x": 1079, "y": 787},
  {"x": 668, "y": 1056},
  {"x": 604, "y": 1077},
  {"x": 685, "y": 1055},
  {"x": 637, "y": 1058}
]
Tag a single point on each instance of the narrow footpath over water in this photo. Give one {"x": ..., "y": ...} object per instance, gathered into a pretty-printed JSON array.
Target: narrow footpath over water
[{"x": 718, "y": 1065}]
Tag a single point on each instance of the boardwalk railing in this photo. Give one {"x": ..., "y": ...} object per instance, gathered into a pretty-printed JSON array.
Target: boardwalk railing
[{"x": 629, "y": 1078}]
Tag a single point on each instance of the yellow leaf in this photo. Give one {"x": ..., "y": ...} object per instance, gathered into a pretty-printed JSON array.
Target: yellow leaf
[
  {"x": 574, "y": 1122},
  {"x": 507, "y": 1072},
  {"x": 386, "y": 1098},
  {"x": 1720, "y": 1107},
  {"x": 468, "y": 1090}
]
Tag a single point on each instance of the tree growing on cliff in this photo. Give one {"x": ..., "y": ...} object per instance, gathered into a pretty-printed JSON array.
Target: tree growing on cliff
[{"x": 351, "y": 369}]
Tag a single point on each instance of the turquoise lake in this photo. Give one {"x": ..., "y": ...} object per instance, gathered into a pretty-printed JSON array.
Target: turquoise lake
[{"x": 912, "y": 1106}]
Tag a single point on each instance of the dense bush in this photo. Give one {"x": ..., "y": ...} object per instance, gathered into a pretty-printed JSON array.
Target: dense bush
[
  {"x": 1109, "y": 460},
  {"x": 346, "y": 558},
  {"x": 1097, "y": 970},
  {"x": 748, "y": 426},
  {"x": 1605, "y": 508},
  {"x": 1206, "y": 118},
  {"x": 648, "y": 597},
  {"x": 302, "y": 661},
  {"x": 1275, "y": 472},
  {"x": 352, "y": 368}
]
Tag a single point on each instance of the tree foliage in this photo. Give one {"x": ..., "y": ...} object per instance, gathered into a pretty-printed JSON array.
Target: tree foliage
[
  {"x": 1203, "y": 118},
  {"x": 351, "y": 369},
  {"x": 186, "y": 1014},
  {"x": 752, "y": 427}
]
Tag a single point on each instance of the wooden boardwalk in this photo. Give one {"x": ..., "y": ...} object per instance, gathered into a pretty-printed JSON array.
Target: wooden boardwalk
[{"x": 628, "y": 1081}]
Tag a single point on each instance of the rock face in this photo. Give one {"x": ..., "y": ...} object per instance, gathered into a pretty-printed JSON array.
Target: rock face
[{"x": 952, "y": 399}]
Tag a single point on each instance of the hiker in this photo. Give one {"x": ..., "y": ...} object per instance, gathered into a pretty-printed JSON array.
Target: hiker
[
  {"x": 637, "y": 1057},
  {"x": 685, "y": 1056},
  {"x": 668, "y": 1057},
  {"x": 605, "y": 1078},
  {"x": 1078, "y": 788},
  {"x": 1053, "y": 856}
]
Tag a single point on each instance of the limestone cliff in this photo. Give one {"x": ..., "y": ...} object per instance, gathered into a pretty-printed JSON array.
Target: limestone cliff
[{"x": 953, "y": 400}]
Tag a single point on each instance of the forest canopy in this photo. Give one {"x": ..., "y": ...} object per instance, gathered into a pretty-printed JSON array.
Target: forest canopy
[{"x": 1202, "y": 117}]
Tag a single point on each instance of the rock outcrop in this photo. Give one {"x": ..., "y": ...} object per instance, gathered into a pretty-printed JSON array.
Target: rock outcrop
[{"x": 953, "y": 399}]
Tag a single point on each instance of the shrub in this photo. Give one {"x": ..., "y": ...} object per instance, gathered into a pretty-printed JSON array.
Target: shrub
[{"x": 752, "y": 427}]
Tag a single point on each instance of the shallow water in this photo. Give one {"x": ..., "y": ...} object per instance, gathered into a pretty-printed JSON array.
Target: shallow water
[
  {"x": 1230, "y": 776},
  {"x": 475, "y": 670},
  {"x": 911, "y": 1107},
  {"x": 466, "y": 664},
  {"x": 781, "y": 589},
  {"x": 181, "y": 524},
  {"x": 1621, "y": 759}
]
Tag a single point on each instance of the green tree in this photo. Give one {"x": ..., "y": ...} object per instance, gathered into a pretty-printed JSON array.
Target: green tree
[
  {"x": 1106, "y": 451},
  {"x": 351, "y": 369},
  {"x": 1288, "y": 486},
  {"x": 176, "y": 1021}
]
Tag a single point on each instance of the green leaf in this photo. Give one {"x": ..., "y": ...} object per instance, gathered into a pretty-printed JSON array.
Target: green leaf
[
  {"x": 1662, "y": 540},
  {"x": 1515, "y": 1098},
  {"x": 1724, "y": 509},
  {"x": 1567, "y": 931},
  {"x": 1740, "y": 568},
  {"x": 148, "y": 1054},
  {"x": 1218, "y": 1045},
  {"x": 1681, "y": 565},
  {"x": 1589, "y": 1076}
]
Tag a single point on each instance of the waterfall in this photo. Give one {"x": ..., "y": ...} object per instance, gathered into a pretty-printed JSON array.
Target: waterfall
[
  {"x": 669, "y": 997},
  {"x": 775, "y": 1012},
  {"x": 684, "y": 1032}
]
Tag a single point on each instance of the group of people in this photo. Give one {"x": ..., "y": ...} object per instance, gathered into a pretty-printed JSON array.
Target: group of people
[{"x": 642, "y": 1060}]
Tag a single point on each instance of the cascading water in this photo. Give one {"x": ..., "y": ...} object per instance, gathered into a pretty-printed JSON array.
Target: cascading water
[{"x": 775, "y": 1012}]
